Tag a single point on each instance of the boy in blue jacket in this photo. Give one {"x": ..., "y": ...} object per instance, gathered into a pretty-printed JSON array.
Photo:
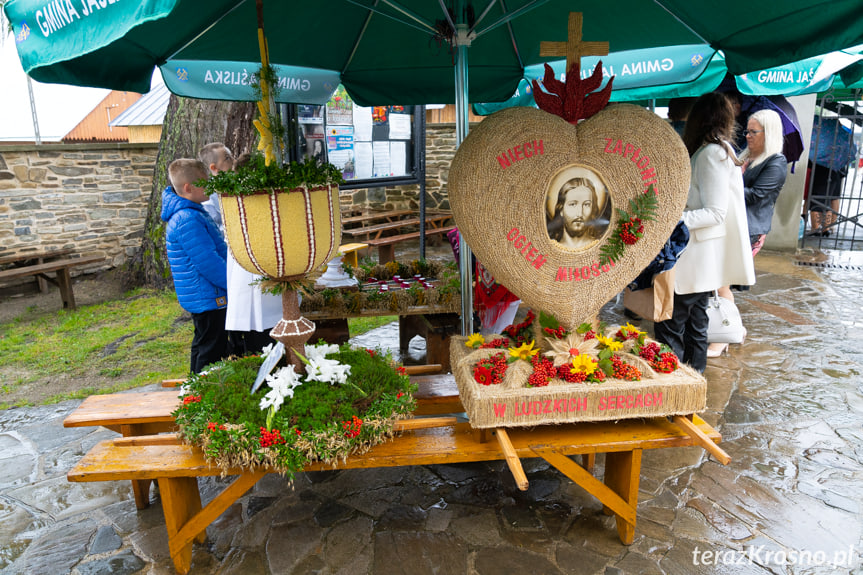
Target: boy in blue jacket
[{"x": 196, "y": 253}]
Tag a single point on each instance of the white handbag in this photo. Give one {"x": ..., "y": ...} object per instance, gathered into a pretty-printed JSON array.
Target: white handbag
[{"x": 726, "y": 325}]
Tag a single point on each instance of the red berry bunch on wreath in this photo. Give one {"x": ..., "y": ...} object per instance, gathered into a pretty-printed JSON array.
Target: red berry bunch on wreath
[
  {"x": 631, "y": 231},
  {"x": 630, "y": 226},
  {"x": 520, "y": 333}
]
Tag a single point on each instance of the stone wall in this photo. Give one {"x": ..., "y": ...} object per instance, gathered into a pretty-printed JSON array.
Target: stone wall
[{"x": 88, "y": 197}]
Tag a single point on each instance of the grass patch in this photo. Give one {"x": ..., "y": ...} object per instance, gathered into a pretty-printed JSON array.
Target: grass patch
[
  {"x": 360, "y": 325},
  {"x": 128, "y": 342}
]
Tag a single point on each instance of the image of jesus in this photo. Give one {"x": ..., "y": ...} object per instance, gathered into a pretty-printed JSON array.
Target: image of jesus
[{"x": 577, "y": 214}]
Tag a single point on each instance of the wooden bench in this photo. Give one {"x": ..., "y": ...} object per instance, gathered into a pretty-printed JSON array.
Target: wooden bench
[
  {"x": 423, "y": 441},
  {"x": 61, "y": 268},
  {"x": 350, "y": 253},
  {"x": 29, "y": 258},
  {"x": 377, "y": 231},
  {"x": 389, "y": 216},
  {"x": 386, "y": 245}
]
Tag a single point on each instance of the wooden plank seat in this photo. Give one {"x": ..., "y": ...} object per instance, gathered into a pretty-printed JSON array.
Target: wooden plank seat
[
  {"x": 145, "y": 413},
  {"x": 386, "y": 245},
  {"x": 60, "y": 267},
  {"x": 438, "y": 440}
]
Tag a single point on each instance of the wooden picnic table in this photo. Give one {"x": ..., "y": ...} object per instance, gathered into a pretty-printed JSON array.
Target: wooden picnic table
[
  {"x": 22, "y": 259},
  {"x": 61, "y": 269},
  {"x": 388, "y": 216},
  {"x": 431, "y": 440},
  {"x": 375, "y": 231}
]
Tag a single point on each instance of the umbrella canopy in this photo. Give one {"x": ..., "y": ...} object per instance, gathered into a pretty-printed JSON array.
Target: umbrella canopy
[
  {"x": 401, "y": 52},
  {"x": 683, "y": 71}
]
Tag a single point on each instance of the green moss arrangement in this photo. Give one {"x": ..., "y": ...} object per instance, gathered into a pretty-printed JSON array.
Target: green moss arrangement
[
  {"x": 347, "y": 402},
  {"x": 256, "y": 177}
]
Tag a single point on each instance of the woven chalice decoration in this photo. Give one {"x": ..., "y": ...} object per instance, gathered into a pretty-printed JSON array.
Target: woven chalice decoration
[{"x": 284, "y": 235}]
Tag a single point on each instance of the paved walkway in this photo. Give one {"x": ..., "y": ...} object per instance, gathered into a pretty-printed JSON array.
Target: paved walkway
[{"x": 789, "y": 404}]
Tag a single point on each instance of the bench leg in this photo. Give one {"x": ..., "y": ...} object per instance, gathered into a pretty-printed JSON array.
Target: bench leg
[
  {"x": 64, "y": 282},
  {"x": 386, "y": 253},
  {"x": 622, "y": 474},
  {"x": 619, "y": 493},
  {"x": 181, "y": 501},
  {"x": 185, "y": 519}
]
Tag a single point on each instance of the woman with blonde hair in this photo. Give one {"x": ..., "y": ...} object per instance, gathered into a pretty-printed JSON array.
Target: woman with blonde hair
[
  {"x": 764, "y": 172},
  {"x": 718, "y": 253}
]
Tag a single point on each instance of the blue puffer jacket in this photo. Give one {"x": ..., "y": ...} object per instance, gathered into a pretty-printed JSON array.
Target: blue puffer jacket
[{"x": 196, "y": 252}]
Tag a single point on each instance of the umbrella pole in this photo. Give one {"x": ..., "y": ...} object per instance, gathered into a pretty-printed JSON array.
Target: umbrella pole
[{"x": 461, "y": 129}]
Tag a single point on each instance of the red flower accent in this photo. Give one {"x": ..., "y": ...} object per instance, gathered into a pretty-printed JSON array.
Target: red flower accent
[
  {"x": 352, "y": 427},
  {"x": 573, "y": 352},
  {"x": 191, "y": 399},
  {"x": 482, "y": 375},
  {"x": 371, "y": 352},
  {"x": 401, "y": 370},
  {"x": 211, "y": 426},
  {"x": 573, "y": 100}
]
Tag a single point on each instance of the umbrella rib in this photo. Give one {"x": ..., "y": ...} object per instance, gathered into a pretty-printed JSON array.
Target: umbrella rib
[
  {"x": 506, "y": 18},
  {"x": 512, "y": 37},
  {"x": 359, "y": 38},
  {"x": 684, "y": 24},
  {"x": 419, "y": 24},
  {"x": 205, "y": 30},
  {"x": 446, "y": 14},
  {"x": 486, "y": 11}
]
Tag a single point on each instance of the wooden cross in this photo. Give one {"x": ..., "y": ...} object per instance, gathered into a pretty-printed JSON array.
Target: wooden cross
[{"x": 574, "y": 49}]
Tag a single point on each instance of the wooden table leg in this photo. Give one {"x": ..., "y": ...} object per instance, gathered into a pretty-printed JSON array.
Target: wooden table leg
[
  {"x": 622, "y": 474},
  {"x": 64, "y": 282},
  {"x": 588, "y": 461},
  {"x": 140, "y": 487},
  {"x": 187, "y": 521},
  {"x": 386, "y": 253},
  {"x": 621, "y": 502}
]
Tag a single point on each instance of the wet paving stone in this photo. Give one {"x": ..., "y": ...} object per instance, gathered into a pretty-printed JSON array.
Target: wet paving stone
[{"x": 788, "y": 403}]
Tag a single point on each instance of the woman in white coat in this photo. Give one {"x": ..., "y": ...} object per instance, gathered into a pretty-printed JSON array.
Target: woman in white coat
[{"x": 718, "y": 253}]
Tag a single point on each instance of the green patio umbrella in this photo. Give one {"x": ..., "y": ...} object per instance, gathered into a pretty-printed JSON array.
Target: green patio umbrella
[{"x": 408, "y": 51}]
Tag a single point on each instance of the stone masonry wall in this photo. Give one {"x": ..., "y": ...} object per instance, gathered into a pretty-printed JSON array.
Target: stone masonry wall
[{"x": 91, "y": 198}]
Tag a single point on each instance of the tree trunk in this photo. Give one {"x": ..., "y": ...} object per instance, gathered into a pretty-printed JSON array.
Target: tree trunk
[{"x": 189, "y": 125}]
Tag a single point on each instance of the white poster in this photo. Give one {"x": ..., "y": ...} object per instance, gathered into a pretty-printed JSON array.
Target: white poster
[
  {"x": 363, "y": 160},
  {"x": 398, "y": 158},
  {"x": 400, "y": 127},
  {"x": 362, "y": 124},
  {"x": 382, "y": 159}
]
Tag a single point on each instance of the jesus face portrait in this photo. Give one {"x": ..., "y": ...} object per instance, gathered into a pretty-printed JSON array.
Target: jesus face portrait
[{"x": 577, "y": 209}]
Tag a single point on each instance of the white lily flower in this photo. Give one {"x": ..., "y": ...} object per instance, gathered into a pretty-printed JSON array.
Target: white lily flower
[
  {"x": 320, "y": 351},
  {"x": 282, "y": 383},
  {"x": 267, "y": 350},
  {"x": 327, "y": 370}
]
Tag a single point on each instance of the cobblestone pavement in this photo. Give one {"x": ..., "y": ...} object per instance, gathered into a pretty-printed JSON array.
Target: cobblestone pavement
[{"x": 789, "y": 404}]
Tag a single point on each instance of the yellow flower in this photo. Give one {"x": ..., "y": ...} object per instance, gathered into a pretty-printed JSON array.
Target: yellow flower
[
  {"x": 609, "y": 343},
  {"x": 583, "y": 363},
  {"x": 474, "y": 340},
  {"x": 524, "y": 351},
  {"x": 631, "y": 329}
]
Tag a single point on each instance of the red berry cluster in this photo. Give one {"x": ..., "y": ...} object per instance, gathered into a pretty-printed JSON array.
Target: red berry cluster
[
  {"x": 191, "y": 399},
  {"x": 519, "y": 332},
  {"x": 543, "y": 371},
  {"x": 631, "y": 231},
  {"x": 269, "y": 438},
  {"x": 665, "y": 362},
  {"x": 558, "y": 333},
  {"x": 352, "y": 427},
  {"x": 499, "y": 343},
  {"x": 566, "y": 373},
  {"x": 623, "y": 370},
  {"x": 625, "y": 334},
  {"x": 589, "y": 334},
  {"x": 212, "y": 426},
  {"x": 490, "y": 371},
  {"x": 649, "y": 351}
]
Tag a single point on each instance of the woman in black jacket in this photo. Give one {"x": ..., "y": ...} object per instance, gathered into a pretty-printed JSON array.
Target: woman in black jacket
[{"x": 764, "y": 172}]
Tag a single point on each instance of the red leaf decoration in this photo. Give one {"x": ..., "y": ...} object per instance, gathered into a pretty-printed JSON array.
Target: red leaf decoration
[{"x": 576, "y": 100}]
